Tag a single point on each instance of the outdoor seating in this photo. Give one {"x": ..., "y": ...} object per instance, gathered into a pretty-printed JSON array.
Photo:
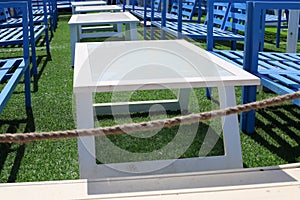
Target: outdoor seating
[
  {"x": 12, "y": 32},
  {"x": 227, "y": 21},
  {"x": 41, "y": 13},
  {"x": 279, "y": 72},
  {"x": 48, "y": 6},
  {"x": 187, "y": 8},
  {"x": 13, "y": 69},
  {"x": 130, "y": 120}
]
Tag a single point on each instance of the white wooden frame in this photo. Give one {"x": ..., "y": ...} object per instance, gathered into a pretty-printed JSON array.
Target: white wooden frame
[
  {"x": 84, "y": 87},
  {"x": 74, "y": 4},
  {"x": 117, "y": 18},
  {"x": 104, "y": 8}
]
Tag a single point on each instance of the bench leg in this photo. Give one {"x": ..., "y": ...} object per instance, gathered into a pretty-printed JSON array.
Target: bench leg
[
  {"x": 247, "y": 119},
  {"x": 27, "y": 87}
]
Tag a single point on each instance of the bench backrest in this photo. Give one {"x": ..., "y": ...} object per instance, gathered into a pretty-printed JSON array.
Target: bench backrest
[
  {"x": 157, "y": 4},
  {"x": 220, "y": 12},
  {"x": 16, "y": 12},
  {"x": 188, "y": 8},
  {"x": 5, "y": 6},
  {"x": 236, "y": 18},
  {"x": 4, "y": 14}
]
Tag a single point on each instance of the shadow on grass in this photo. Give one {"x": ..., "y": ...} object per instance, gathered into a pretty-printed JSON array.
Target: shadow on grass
[
  {"x": 280, "y": 131},
  {"x": 6, "y": 149},
  {"x": 42, "y": 62},
  {"x": 205, "y": 142}
]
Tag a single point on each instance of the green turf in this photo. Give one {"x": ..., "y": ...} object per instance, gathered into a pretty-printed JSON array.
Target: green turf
[{"x": 275, "y": 141}]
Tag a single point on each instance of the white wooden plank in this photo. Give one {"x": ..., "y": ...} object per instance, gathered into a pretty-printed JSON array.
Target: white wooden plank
[{"x": 274, "y": 183}]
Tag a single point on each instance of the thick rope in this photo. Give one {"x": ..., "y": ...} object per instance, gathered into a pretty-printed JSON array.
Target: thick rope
[{"x": 22, "y": 138}]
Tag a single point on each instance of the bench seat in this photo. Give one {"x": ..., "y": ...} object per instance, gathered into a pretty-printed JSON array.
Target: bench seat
[
  {"x": 228, "y": 22},
  {"x": 11, "y": 72},
  {"x": 279, "y": 72},
  {"x": 37, "y": 19},
  {"x": 198, "y": 31},
  {"x": 188, "y": 10},
  {"x": 13, "y": 36}
]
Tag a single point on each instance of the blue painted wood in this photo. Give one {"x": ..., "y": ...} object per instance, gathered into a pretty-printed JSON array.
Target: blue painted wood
[
  {"x": 279, "y": 72},
  {"x": 218, "y": 14},
  {"x": 187, "y": 7},
  {"x": 11, "y": 32},
  {"x": 13, "y": 69}
]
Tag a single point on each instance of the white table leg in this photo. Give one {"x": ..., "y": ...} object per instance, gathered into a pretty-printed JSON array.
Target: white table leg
[
  {"x": 183, "y": 99},
  {"x": 80, "y": 32},
  {"x": 131, "y": 32},
  {"x": 231, "y": 134},
  {"x": 73, "y": 39},
  {"x": 73, "y": 9},
  {"x": 119, "y": 28},
  {"x": 85, "y": 119}
]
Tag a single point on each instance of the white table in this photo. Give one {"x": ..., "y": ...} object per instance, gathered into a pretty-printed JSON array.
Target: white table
[
  {"x": 128, "y": 66},
  {"x": 78, "y": 20},
  {"x": 105, "y": 8},
  {"x": 86, "y": 3}
]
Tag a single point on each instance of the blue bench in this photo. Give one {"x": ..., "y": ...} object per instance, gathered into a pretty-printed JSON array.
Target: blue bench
[
  {"x": 188, "y": 8},
  {"x": 226, "y": 21},
  {"x": 13, "y": 69},
  {"x": 279, "y": 72},
  {"x": 39, "y": 7},
  {"x": 11, "y": 32},
  {"x": 130, "y": 5},
  {"x": 139, "y": 10},
  {"x": 227, "y": 17}
]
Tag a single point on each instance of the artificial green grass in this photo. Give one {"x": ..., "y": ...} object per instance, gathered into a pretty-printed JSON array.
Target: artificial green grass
[{"x": 275, "y": 141}]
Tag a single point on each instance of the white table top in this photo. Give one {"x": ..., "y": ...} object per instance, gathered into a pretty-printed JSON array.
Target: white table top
[
  {"x": 97, "y": 8},
  {"x": 156, "y": 64},
  {"x": 105, "y": 17},
  {"x": 87, "y": 3}
]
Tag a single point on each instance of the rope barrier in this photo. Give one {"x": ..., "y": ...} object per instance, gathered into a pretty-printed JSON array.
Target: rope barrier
[{"x": 22, "y": 138}]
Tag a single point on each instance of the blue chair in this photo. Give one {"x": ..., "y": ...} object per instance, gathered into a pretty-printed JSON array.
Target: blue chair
[
  {"x": 188, "y": 8},
  {"x": 12, "y": 69},
  {"x": 11, "y": 33},
  {"x": 39, "y": 7},
  {"x": 279, "y": 72},
  {"x": 220, "y": 13}
]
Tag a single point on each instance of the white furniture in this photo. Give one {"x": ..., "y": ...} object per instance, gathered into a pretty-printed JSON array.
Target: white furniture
[
  {"x": 95, "y": 9},
  {"x": 77, "y": 21},
  {"x": 74, "y": 4},
  {"x": 152, "y": 65},
  {"x": 105, "y": 8}
]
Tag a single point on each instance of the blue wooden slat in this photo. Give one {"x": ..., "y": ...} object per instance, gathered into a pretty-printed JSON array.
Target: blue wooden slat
[
  {"x": 11, "y": 85},
  {"x": 283, "y": 65},
  {"x": 280, "y": 56},
  {"x": 14, "y": 35},
  {"x": 6, "y": 66},
  {"x": 282, "y": 79},
  {"x": 294, "y": 77}
]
